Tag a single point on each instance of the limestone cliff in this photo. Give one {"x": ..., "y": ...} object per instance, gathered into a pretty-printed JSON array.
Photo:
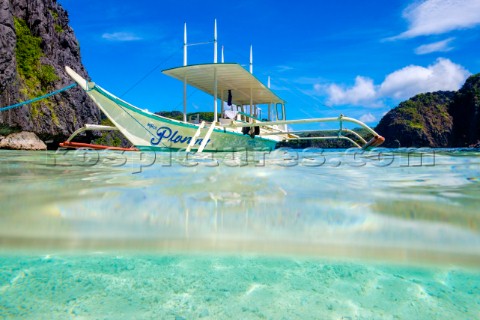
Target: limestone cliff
[
  {"x": 36, "y": 43},
  {"x": 438, "y": 120}
]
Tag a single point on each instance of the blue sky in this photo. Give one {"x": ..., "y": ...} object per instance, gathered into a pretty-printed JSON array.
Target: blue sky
[{"x": 325, "y": 58}]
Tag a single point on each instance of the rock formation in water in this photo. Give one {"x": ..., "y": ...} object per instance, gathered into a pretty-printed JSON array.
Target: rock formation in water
[
  {"x": 36, "y": 43},
  {"x": 22, "y": 141},
  {"x": 438, "y": 120}
]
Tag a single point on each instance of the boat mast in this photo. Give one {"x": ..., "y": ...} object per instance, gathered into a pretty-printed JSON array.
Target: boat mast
[
  {"x": 185, "y": 45},
  {"x": 185, "y": 77},
  {"x": 251, "y": 59},
  {"x": 215, "y": 43}
]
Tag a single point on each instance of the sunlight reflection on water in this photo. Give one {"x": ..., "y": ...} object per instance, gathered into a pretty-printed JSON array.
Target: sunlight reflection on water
[{"x": 289, "y": 201}]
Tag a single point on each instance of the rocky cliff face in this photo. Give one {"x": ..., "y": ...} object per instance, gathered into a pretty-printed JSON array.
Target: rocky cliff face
[
  {"x": 419, "y": 122},
  {"x": 465, "y": 111},
  {"x": 438, "y": 120},
  {"x": 36, "y": 44}
]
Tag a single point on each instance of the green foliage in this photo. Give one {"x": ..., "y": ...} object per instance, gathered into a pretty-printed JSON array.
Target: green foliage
[
  {"x": 408, "y": 113},
  {"x": 58, "y": 28},
  {"x": 106, "y": 122},
  {"x": 53, "y": 114},
  {"x": 6, "y": 130},
  {"x": 27, "y": 50},
  {"x": 37, "y": 78},
  {"x": 205, "y": 116},
  {"x": 54, "y": 14},
  {"x": 109, "y": 138},
  {"x": 46, "y": 75},
  {"x": 177, "y": 115},
  {"x": 414, "y": 112},
  {"x": 28, "y": 53}
]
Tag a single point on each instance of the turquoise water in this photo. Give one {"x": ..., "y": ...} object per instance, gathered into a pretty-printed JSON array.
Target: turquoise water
[{"x": 282, "y": 235}]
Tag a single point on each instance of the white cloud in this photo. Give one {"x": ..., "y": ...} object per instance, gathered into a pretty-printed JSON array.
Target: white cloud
[
  {"x": 120, "y": 36},
  {"x": 411, "y": 80},
  {"x": 362, "y": 91},
  {"x": 367, "y": 118},
  {"x": 283, "y": 68},
  {"x": 429, "y": 17},
  {"x": 398, "y": 85},
  {"x": 440, "y": 46}
]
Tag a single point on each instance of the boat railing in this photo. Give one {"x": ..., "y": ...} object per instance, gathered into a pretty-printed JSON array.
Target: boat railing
[
  {"x": 194, "y": 118},
  {"x": 248, "y": 116}
]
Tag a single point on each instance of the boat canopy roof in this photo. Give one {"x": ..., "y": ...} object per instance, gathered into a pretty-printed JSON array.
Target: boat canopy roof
[{"x": 245, "y": 87}]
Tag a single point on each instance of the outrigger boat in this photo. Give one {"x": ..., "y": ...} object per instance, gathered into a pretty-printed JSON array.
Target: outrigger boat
[{"x": 239, "y": 125}]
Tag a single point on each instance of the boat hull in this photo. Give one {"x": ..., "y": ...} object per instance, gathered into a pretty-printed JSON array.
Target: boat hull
[{"x": 148, "y": 131}]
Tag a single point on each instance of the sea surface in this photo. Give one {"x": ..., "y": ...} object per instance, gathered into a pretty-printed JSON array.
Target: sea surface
[{"x": 289, "y": 234}]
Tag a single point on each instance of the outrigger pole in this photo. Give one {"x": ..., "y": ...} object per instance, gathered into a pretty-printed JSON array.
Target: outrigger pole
[{"x": 375, "y": 141}]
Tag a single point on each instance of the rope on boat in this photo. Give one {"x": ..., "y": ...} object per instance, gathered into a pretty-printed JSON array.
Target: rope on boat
[
  {"x": 151, "y": 71},
  {"x": 20, "y": 104}
]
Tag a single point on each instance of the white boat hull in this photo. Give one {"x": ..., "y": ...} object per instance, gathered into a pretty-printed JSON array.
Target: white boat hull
[{"x": 148, "y": 131}]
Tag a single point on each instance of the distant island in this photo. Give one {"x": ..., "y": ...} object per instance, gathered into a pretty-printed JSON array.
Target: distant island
[{"x": 36, "y": 42}]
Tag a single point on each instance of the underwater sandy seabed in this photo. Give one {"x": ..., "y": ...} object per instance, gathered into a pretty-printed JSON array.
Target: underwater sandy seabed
[{"x": 107, "y": 286}]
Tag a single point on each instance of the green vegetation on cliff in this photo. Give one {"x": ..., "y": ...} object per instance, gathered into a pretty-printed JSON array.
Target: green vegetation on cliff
[
  {"x": 27, "y": 50},
  {"x": 438, "y": 119},
  {"x": 34, "y": 52},
  {"x": 110, "y": 138},
  {"x": 28, "y": 53},
  {"x": 421, "y": 121},
  {"x": 465, "y": 111},
  {"x": 36, "y": 77},
  {"x": 5, "y": 130}
]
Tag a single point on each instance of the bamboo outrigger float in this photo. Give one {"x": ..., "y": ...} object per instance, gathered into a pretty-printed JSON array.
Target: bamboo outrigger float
[{"x": 239, "y": 123}]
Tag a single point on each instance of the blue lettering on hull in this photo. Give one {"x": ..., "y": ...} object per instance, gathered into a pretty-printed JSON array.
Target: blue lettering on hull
[{"x": 166, "y": 134}]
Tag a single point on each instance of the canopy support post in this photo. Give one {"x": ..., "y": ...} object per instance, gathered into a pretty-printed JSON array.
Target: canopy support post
[
  {"x": 185, "y": 99},
  {"x": 215, "y": 94}
]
